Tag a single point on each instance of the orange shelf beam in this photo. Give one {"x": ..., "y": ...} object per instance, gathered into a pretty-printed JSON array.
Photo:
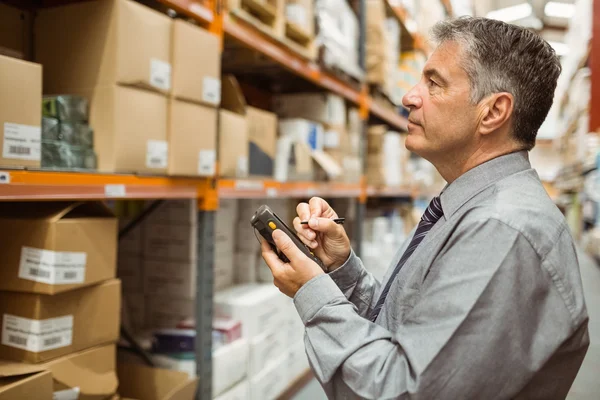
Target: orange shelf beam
[
  {"x": 391, "y": 117},
  {"x": 51, "y": 185},
  {"x": 246, "y": 189}
]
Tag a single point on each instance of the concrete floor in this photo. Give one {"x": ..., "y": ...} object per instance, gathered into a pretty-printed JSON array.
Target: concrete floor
[{"x": 587, "y": 383}]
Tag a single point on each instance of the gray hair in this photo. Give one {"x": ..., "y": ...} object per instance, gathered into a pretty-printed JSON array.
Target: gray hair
[{"x": 500, "y": 57}]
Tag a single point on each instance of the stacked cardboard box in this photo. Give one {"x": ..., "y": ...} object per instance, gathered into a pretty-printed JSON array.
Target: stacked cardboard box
[
  {"x": 59, "y": 300},
  {"x": 387, "y": 157},
  {"x": 152, "y": 84},
  {"x": 247, "y": 135},
  {"x": 20, "y": 117},
  {"x": 192, "y": 131}
]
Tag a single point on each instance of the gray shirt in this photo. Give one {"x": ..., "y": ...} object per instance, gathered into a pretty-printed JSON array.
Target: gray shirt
[{"x": 489, "y": 306}]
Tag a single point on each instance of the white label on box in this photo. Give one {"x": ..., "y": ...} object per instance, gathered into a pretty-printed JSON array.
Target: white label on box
[
  {"x": 157, "y": 154},
  {"x": 332, "y": 140},
  {"x": 22, "y": 142},
  {"x": 67, "y": 394},
  {"x": 211, "y": 90},
  {"x": 52, "y": 267},
  {"x": 242, "y": 166},
  {"x": 160, "y": 74},
  {"x": 115, "y": 191},
  {"x": 4, "y": 177},
  {"x": 37, "y": 335},
  {"x": 207, "y": 160}
]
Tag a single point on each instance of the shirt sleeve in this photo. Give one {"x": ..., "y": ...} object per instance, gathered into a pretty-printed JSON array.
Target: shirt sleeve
[
  {"x": 471, "y": 335},
  {"x": 357, "y": 284}
]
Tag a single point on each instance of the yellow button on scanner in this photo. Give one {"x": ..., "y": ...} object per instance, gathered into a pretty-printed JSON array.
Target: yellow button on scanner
[{"x": 272, "y": 225}]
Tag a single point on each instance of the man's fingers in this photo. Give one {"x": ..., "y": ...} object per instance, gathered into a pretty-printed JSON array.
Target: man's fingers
[
  {"x": 303, "y": 211},
  {"x": 305, "y": 234},
  {"x": 285, "y": 244},
  {"x": 320, "y": 208},
  {"x": 271, "y": 258},
  {"x": 324, "y": 225}
]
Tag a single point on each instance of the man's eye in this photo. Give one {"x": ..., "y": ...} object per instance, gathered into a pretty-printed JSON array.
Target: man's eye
[{"x": 431, "y": 83}]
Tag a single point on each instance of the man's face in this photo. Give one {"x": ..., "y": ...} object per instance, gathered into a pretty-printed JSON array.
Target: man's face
[{"x": 442, "y": 120}]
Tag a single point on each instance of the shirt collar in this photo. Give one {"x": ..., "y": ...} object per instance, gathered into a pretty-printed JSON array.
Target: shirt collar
[{"x": 475, "y": 180}]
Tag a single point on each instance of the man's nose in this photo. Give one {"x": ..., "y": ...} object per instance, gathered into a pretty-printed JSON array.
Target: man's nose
[{"x": 412, "y": 99}]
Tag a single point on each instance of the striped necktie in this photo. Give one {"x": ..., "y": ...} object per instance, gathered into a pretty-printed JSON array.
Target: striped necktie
[{"x": 428, "y": 220}]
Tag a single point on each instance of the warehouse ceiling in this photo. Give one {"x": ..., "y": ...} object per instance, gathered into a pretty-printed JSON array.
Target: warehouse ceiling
[{"x": 549, "y": 18}]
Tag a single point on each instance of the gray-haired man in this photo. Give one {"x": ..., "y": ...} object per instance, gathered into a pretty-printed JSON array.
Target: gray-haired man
[{"x": 485, "y": 301}]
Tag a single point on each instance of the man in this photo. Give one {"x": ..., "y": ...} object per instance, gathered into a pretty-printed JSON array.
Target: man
[{"x": 485, "y": 301}]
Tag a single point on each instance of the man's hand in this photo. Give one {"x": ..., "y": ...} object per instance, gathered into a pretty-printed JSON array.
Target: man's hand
[
  {"x": 327, "y": 239},
  {"x": 289, "y": 277}
]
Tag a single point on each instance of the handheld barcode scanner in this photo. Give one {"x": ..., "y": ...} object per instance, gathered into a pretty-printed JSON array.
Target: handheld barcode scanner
[{"x": 265, "y": 221}]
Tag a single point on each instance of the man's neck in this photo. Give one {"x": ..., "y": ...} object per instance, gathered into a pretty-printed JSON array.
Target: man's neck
[{"x": 451, "y": 169}]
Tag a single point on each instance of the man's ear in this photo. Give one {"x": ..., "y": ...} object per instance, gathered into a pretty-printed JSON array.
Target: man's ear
[{"x": 496, "y": 111}]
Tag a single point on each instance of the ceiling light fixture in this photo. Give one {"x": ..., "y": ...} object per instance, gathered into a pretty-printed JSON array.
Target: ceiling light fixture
[
  {"x": 559, "y": 10},
  {"x": 512, "y": 13}
]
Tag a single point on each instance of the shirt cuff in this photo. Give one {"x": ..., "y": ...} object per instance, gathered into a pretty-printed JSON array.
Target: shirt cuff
[
  {"x": 314, "y": 295},
  {"x": 349, "y": 273}
]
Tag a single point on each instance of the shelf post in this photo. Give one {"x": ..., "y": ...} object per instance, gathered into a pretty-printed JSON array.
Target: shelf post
[{"x": 204, "y": 302}]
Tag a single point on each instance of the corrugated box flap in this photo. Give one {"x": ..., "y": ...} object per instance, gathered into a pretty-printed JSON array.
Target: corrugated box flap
[
  {"x": 93, "y": 371},
  {"x": 12, "y": 369},
  {"x": 54, "y": 210},
  {"x": 232, "y": 97},
  {"x": 145, "y": 383}
]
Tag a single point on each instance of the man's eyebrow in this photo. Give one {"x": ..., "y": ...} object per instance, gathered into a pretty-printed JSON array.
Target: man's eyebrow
[{"x": 432, "y": 72}]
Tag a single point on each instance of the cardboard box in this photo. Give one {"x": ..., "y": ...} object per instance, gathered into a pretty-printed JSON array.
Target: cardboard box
[
  {"x": 241, "y": 391},
  {"x": 196, "y": 58},
  {"x": 130, "y": 129},
  {"x": 265, "y": 348},
  {"x": 170, "y": 278},
  {"x": 301, "y": 14},
  {"x": 23, "y": 381},
  {"x": 38, "y": 327},
  {"x": 85, "y": 375},
  {"x": 130, "y": 272},
  {"x": 293, "y": 161},
  {"x": 258, "y": 307},
  {"x": 170, "y": 242},
  {"x": 145, "y": 383},
  {"x": 271, "y": 381},
  {"x": 224, "y": 274},
  {"x": 233, "y": 145},
  {"x": 54, "y": 247},
  {"x": 262, "y": 140},
  {"x": 20, "y": 114},
  {"x": 175, "y": 212},
  {"x": 101, "y": 43},
  {"x": 233, "y": 131},
  {"x": 167, "y": 312},
  {"x": 230, "y": 365},
  {"x": 326, "y": 108},
  {"x": 192, "y": 137}
]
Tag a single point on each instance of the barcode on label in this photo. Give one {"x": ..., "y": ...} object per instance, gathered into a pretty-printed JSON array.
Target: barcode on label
[
  {"x": 52, "y": 341},
  {"x": 21, "y": 150},
  {"x": 70, "y": 275},
  {"x": 155, "y": 160},
  {"x": 17, "y": 340},
  {"x": 39, "y": 272}
]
